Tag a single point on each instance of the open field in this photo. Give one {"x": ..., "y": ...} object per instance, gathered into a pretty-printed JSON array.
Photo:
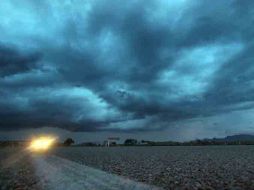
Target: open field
[{"x": 193, "y": 167}]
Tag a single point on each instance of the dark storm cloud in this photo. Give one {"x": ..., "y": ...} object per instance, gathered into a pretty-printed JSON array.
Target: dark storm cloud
[
  {"x": 134, "y": 65},
  {"x": 13, "y": 61}
]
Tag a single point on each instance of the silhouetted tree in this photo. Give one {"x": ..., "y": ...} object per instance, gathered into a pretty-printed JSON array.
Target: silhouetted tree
[
  {"x": 68, "y": 142},
  {"x": 130, "y": 142}
]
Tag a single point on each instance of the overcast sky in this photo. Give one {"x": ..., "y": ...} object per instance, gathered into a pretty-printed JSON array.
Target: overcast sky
[{"x": 169, "y": 69}]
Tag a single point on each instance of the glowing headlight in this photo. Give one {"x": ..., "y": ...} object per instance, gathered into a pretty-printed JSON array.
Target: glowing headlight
[{"x": 41, "y": 144}]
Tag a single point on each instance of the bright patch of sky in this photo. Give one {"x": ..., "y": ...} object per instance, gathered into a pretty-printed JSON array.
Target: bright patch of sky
[{"x": 196, "y": 68}]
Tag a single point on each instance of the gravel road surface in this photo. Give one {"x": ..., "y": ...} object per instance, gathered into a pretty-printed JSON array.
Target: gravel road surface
[{"x": 57, "y": 174}]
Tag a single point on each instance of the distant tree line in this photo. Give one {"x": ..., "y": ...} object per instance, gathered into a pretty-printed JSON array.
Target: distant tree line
[
  {"x": 196, "y": 143},
  {"x": 135, "y": 142},
  {"x": 13, "y": 143}
]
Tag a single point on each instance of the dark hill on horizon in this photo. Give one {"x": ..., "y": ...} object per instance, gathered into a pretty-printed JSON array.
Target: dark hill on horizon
[{"x": 232, "y": 138}]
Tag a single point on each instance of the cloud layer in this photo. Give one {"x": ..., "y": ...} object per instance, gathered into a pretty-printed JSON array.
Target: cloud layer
[{"x": 114, "y": 65}]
